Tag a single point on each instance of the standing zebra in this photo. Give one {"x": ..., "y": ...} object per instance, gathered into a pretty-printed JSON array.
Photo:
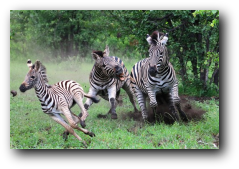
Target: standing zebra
[
  {"x": 155, "y": 75},
  {"x": 57, "y": 99},
  {"x": 108, "y": 75}
]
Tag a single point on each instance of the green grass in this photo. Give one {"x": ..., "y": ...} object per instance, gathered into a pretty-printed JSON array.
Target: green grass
[{"x": 30, "y": 128}]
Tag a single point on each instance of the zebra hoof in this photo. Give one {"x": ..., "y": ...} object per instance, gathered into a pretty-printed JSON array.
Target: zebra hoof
[
  {"x": 65, "y": 135},
  {"x": 82, "y": 123},
  {"x": 91, "y": 134},
  {"x": 80, "y": 115},
  {"x": 102, "y": 116},
  {"x": 185, "y": 119},
  {"x": 114, "y": 116}
]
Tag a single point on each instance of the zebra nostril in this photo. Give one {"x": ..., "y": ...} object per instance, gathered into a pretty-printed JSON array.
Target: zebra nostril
[
  {"x": 152, "y": 70},
  {"x": 118, "y": 70},
  {"x": 22, "y": 88}
]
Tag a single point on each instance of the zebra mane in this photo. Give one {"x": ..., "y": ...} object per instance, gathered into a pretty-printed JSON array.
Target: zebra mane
[
  {"x": 42, "y": 71},
  {"x": 100, "y": 53},
  {"x": 156, "y": 35}
]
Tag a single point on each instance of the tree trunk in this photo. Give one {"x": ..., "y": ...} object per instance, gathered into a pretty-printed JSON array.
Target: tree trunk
[
  {"x": 76, "y": 42},
  {"x": 194, "y": 65},
  {"x": 205, "y": 71},
  {"x": 201, "y": 56},
  {"x": 70, "y": 42},
  {"x": 183, "y": 67},
  {"x": 54, "y": 50},
  {"x": 216, "y": 78},
  {"x": 76, "y": 51},
  {"x": 64, "y": 42},
  {"x": 215, "y": 75}
]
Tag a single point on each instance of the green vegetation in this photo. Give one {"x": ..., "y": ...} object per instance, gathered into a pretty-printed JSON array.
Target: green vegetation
[
  {"x": 63, "y": 42},
  {"x": 30, "y": 128},
  {"x": 193, "y": 38}
]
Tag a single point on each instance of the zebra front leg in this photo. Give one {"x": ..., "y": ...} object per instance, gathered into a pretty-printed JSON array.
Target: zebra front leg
[
  {"x": 173, "y": 100},
  {"x": 113, "y": 102},
  {"x": 73, "y": 120},
  {"x": 152, "y": 101},
  {"x": 66, "y": 132},
  {"x": 57, "y": 118}
]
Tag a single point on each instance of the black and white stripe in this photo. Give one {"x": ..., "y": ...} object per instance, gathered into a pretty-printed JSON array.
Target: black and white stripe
[
  {"x": 107, "y": 77},
  {"x": 155, "y": 75},
  {"x": 58, "y": 99}
]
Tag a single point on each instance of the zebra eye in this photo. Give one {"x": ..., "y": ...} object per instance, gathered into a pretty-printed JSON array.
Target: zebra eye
[
  {"x": 103, "y": 65},
  {"x": 32, "y": 77}
]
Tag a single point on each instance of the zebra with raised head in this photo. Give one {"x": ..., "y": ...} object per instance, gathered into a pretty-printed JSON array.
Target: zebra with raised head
[
  {"x": 107, "y": 77},
  {"x": 155, "y": 75},
  {"x": 58, "y": 99}
]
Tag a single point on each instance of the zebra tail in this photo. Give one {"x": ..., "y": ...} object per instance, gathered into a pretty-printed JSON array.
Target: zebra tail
[{"x": 94, "y": 99}]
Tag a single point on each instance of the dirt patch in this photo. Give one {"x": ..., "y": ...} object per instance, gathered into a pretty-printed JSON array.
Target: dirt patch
[{"x": 163, "y": 114}]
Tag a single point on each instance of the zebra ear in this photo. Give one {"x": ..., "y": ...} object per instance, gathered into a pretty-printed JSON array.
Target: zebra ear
[
  {"x": 106, "y": 51},
  {"x": 96, "y": 57},
  {"x": 149, "y": 39},
  {"x": 29, "y": 63},
  {"x": 37, "y": 65}
]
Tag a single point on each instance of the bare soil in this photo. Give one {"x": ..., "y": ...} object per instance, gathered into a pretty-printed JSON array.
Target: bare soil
[{"x": 163, "y": 114}]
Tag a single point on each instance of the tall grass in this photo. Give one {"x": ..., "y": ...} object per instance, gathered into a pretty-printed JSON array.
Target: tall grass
[{"x": 30, "y": 128}]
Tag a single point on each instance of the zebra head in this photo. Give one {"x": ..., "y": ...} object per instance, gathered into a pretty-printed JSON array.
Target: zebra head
[
  {"x": 32, "y": 76},
  {"x": 107, "y": 65},
  {"x": 158, "y": 56}
]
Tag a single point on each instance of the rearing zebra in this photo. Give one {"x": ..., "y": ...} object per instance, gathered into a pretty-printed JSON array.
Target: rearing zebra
[
  {"x": 108, "y": 75},
  {"x": 57, "y": 99},
  {"x": 156, "y": 75}
]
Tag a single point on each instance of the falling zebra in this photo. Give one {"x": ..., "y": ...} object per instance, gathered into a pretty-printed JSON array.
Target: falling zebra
[
  {"x": 57, "y": 99},
  {"x": 107, "y": 77},
  {"x": 155, "y": 75}
]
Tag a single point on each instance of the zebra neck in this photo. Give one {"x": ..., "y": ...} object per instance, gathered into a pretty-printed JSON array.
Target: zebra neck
[
  {"x": 162, "y": 68},
  {"x": 41, "y": 88},
  {"x": 98, "y": 73}
]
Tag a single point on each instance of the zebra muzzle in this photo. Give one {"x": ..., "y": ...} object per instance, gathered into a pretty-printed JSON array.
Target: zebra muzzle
[
  {"x": 121, "y": 76},
  {"x": 22, "y": 88},
  {"x": 153, "y": 70}
]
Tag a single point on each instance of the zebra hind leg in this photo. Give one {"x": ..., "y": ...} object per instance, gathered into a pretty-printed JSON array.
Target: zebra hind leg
[
  {"x": 57, "y": 118},
  {"x": 65, "y": 133}
]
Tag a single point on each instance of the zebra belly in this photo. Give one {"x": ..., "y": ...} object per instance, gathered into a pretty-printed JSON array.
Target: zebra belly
[
  {"x": 55, "y": 110},
  {"x": 161, "y": 90},
  {"x": 104, "y": 88},
  {"x": 51, "y": 111}
]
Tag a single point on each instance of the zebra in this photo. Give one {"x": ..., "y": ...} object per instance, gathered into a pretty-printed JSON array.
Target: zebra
[
  {"x": 107, "y": 77},
  {"x": 58, "y": 99},
  {"x": 155, "y": 75}
]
